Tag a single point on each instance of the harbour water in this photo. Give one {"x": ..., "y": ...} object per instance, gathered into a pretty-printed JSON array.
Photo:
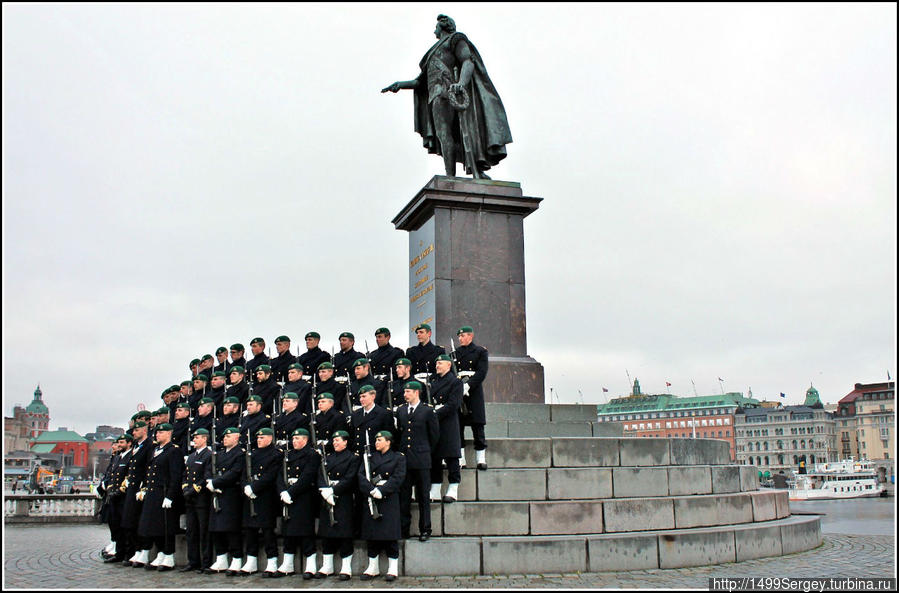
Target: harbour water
[{"x": 860, "y": 516}]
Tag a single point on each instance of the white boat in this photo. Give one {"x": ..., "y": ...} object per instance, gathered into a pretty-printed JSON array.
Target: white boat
[{"x": 838, "y": 479}]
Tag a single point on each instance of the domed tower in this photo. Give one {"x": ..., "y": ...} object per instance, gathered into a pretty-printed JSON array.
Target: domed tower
[
  {"x": 37, "y": 416},
  {"x": 812, "y": 399}
]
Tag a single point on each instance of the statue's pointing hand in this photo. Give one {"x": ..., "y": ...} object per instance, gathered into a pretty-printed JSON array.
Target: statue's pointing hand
[{"x": 394, "y": 88}]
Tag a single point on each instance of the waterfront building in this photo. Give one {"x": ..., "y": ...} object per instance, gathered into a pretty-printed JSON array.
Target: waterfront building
[
  {"x": 72, "y": 447},
  {"x": 671, "y": 416},
  {"x": 870, "y": 410},
  {"x": 26, "y": 423},
  {"x": 782, "y": 438}
]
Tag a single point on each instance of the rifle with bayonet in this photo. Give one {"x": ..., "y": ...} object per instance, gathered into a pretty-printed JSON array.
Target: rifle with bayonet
[
  {"x": 372, "y": 505},
  {"x": 324, "y": 464},
  {"x": 248, "y": 457},
  {"x": 215, "y": 498},
  {"x": 285, "y": 511}
]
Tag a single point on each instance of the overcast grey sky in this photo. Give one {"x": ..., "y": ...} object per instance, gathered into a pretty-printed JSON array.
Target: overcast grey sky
[{"x": 719, "y": 184}]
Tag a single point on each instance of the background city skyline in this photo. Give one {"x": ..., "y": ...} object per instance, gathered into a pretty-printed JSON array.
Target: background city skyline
[{"x": 719, "y": 184}]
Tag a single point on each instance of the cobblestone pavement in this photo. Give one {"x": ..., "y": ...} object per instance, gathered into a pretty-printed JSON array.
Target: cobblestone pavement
[{"x": 69, "y": 557}]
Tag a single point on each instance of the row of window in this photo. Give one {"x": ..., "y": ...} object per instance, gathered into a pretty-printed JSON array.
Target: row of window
[
  {"x": 654, "y": 415},
  {"x": 763, "y": 446},
  {"x": 678, "y": 424}
]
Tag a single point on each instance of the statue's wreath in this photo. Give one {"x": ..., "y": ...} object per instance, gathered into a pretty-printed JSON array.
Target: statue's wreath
[{"x": 460, "y": 100}]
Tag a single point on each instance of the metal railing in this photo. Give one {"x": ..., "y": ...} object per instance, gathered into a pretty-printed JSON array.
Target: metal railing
[{"x": 39, "y": 508}]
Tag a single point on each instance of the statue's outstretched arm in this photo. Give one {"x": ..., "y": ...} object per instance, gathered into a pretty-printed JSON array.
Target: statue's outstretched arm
[{"x": 400, "y": 84}]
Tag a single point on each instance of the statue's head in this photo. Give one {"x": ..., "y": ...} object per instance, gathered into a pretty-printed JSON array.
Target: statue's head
[{"x": 445, "y": 24}]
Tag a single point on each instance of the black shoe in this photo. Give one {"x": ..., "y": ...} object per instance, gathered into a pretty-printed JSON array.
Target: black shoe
[
  {"x": 390, "y": 578},
  {"x": 344, "y": 577},
  {"x": 267, "y": 575},
  {"x": 162, "y": 568},
  {"x": 406, "y": 535},
  {"x": 321, "y": 575},
  {"x": 448, "y": 499},
  {"x": 208, "y": 570},
  {"x": 150, "y": 567},
  {"x": 482, "y": 466},
  {"x": 308, "y": 576},
  {"x": 231, "y": 573},
  {"x": 126, "y": 563},
  {"x": 104, "y": 554},
  {"x": 114, "y": 559},
  {"x": 365, "y": 577},
  {"x": 424, "y": 536},
  {"x": 189, "y": 568}
]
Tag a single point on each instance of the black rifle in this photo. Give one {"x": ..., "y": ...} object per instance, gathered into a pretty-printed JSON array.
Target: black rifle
[
  {"x": 248, "y": 456},
  {"x": 215, "y": 498},
  {"x": 366, "y": 459},
  {"x": 285, "y": 512},
  {"x": 349, "y": 396},
  {"x": 324, "y": 464},
  {"x": 390, "y": 391}
]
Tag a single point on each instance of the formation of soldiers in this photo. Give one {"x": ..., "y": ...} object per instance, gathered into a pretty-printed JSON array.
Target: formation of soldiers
[{"x": 332, "y": 447}]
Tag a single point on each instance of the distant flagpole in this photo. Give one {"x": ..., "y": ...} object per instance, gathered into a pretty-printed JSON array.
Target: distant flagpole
[
  {"x": 721, "y": 384},
  {"x": 668, "y": 387},
  {"x": 694, "y": 387}
]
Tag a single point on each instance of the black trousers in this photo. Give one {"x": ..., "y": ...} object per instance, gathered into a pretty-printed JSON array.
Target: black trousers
[
  {"x": 251, "y": 538},
  {"x": 477, "y": 433},
  {"x": 164, "y": 543},
  {"x": 199, "y": 542},
  {"x": 452, "y": 467},
  {"x": 116, "y": 533},
  {"x": 420, "y": 479},
  {"x": 228, "y": 542},
  {"x": 389, "y": 547},
  {"x": 341, "y": 546},
  {"x": 306, "y": 544}
]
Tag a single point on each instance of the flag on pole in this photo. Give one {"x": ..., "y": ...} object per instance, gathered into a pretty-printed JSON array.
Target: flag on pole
[
  {"x": 782, "y": 394},
  {"x": 667, "y": 384},
  {"x": 720, "y": 379},
  {"x": 888, "y": 375},
  {"x": 604, "y": 390}
]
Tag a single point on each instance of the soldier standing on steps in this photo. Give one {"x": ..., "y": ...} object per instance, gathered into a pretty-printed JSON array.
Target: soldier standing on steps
[
  {"x": 225, "y": 521},
  {"x": 419, "y": 432},
  {"x": 197, "y": 500},
  {"x": 446, "y": 396},
  {"x": 388, "y": 470},
  {"x": 261, "y": 506},
  {"x": 471, "y": 364},
  {"x": 423, "y": 354}
]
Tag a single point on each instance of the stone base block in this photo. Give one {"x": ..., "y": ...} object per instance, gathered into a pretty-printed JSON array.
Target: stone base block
[
  {"x": 749, "y": 478},
  {"x": 644, "y": 452},
  {"x": 515, "y": 380},
  {"x": 505, "y": 453},
  {"x": 561, "y": 518},
  {"x": 572, "y": 413},
  {"x": 734, "y": 508},
  {"x": 695, "y": 511},
  {"x": 632, "y": 482},
  {"x": 496, "y": 430},
  {"x": 500, "y": 412},
  {"x": 782, "y": 503},
  {"x": 587, "y": 482},
  {"x": 512, "y": 484},
  {"x": 436, "y": 519},
  {"x": 689, "y": 480},
  {"x": 699, "y": 452},
  {"x": 481, "y": 518},
  {"x": 468, "y": 487},
  {"x": 801, "y": 535},
  {"x": 680, "y": 549},
  {"x": 512, "y": 555},
  {"x": 623, "y": 552},
  {"x": 573, "y": 452},
  {"x": 638, "y": 514},
  {"x": 725, "y": 478},
  {"x": 763, "y": 506},
  {"x": 549, "y": 429},
  {"x": 457, "y": 556},
  {"x": 608, "y": 429},
  {"x": 757, "y": 542}
]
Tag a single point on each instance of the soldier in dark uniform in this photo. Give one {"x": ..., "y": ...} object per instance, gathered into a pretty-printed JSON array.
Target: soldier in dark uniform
[
  {"x": 204, "y": 416},
  {"x": 363, "y": 376},
  {"x": 224, "y": 482},
  {"x": 224, "y": 365},
  {"x": 197, "y": 500},
  {"x": 200, "y": 384},
  {"x": 290, "y": 418},
  {"x": 217, "y": 392},
  {"x": 326, "y": 382},
  {"x": 369, "y": 419},
  {"x": 424, "y": 353},
  {"x": 472, "y": 364},
  {"x": 419, "y": 432},
  {"x": 181, "y": 426},
  {"x": 446, "y": 395},
  {"x": 159, "y": 517},
  {"x": 253, "y": 421},
  {"x": 328, "y": 421},
  {"x": 239, "y": 387},
  {"x": 267, "y": 388},
  {"x": 296, "y": 384},
  {"x": 230, "y": 418},
  {"x": 206, "y": 364},
  {"x": 257, "y": 346},
  {"x": 170, "y": 398},
  {"x": 237, "y": 356},
  {"x": 384, "y": 356},
  {"x": 402, "y": 375},
  {"x": 261, "y": 506},
  {"x": 338, "y": 492},
  {"x": 141, "y": 450},
  {"x": 187, "y": 389},
  {"x": 284, "y": 359},
  {"x": 297, "y": 486},
  {"x": 194, "y": 367},
  {"x": 344, "y": 359},
  {"x": 314, "y": 355},
  {"x": 382, "y": 488},
  {"x": 109, "y": 490}
]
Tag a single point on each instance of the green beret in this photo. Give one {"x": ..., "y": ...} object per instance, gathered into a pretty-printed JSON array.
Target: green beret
[
  {"x": 315, "y": 335},
  {"x": 220, "y": 349},
  {"x": 282, "y": 339},
  {"x": 186, "y": 382},
  {"x": 231, "y": 400},
  {"x": 341, "y": 433},
  {"x": 445, "y": 357},
  {"x": 135, "y": 416},
  {"x": 257, "y": 341},
  {"x": 164, "y": 427},
  {"x": 207, "y": 357},
  {"x": 231, "y": 430},
  {"x": 238, "y": 347},
  {"x": 254, "y": 398},
  {"x": 162, "y": 410},
  {"x": 165, "y": 392},
  {"x": 325, "y": 365},
  {"x": 365, "y": 389},
  {"x": 422, "y": 326},
  {"x": 347, "y": 335},
  {"x": 194, "y": 362},
  {"x": 402, "y": 361},
  {"x": 175, "y": 388},
  {"x": 144, "y": 414},
  {"x": 386, "y": 434},
  {"x": 238, "y": 369},
  {"x": 300, "y": 432},
  {"x": 290, "y": 395},
  {"x": 465, "y": 329},
  {"x": 201, "y": 377},
  {"x": 265, "y": 368},
  {"x": 219, "y": 374},
  {"x": 360, "y": 362},
  {"x": 140, "y": 424},
  {"x": 182, "y": 405},
  {"x": 201, "y": 431},
  {"x": 267, "y": 431},
  {"x": 382, "y": 330},
  {"x": 206, "y": 400},
  {"x": 295, "y": 367},
  {"x": 326, "y": 395},
  {"x": 125, "y": 437},
  {"x": 414, "y": 385}
]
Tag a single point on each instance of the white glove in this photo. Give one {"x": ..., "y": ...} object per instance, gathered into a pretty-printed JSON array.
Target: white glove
[
  {"x": 375, "y": 493},
  {"x": 139, "y": 495},
  {"x": 333, "y": 483},
  {"x": 465, "y": 389},
  {"x": 322, "y": 442},
  {"x": 292, "y": 481},
  {"x": 166, "y": 503},
  {"x": 438, "y": 406},
  {"x": 209, "y": 485},
  {"x": 330, "y": 500},
  {"x": 285, "y": 497},
  {"x": 326, "y": 492},
  {"x": 357, "y": 408},
  {"x": 248, "y": 491}
]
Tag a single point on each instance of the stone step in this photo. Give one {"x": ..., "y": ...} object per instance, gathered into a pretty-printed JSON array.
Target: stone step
[
  {"x": 544, "y": 452},
  {"x": 498, "y": 412}
]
